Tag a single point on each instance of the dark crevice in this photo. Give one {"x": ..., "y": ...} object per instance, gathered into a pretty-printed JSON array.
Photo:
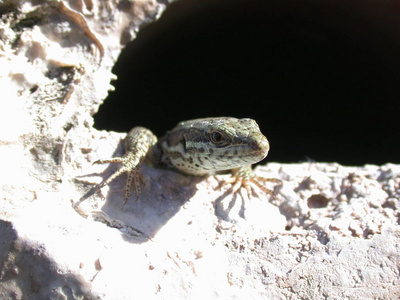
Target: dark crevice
[{"x": 320, "y": 77}]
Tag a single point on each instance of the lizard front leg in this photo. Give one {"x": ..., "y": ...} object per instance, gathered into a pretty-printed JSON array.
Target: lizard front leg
[
  {"x": 139, "y": 144},
  {"x": 245, "y": 177},
  {"x": 243, "y": 183}
]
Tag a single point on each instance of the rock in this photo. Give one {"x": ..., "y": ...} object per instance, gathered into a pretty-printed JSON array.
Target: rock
[{"x": 332, "y": 231}]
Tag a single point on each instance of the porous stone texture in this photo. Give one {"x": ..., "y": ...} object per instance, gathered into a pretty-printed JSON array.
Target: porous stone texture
[{"x": 331, "y": 232}]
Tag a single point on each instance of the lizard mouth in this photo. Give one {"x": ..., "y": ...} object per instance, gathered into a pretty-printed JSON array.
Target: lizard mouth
[{"x": 261, "y": 154}]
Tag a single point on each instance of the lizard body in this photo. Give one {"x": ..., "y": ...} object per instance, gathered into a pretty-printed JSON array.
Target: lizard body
[{"x": 197, "y": 147}]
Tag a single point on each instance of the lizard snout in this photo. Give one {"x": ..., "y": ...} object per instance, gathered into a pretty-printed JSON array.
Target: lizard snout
[{"x": 260, "y": 143}]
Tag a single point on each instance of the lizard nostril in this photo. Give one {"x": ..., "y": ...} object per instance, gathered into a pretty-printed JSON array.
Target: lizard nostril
[{"x": 254, "y": 145}]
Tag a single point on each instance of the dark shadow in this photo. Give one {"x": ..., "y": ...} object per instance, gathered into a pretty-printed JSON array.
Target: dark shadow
[
  {"x": 163, "y": 195},
  {"x": 25, "y": 267}
]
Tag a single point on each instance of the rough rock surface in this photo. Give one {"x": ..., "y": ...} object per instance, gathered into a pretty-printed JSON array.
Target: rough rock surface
[{"x": 332, "y": 232}]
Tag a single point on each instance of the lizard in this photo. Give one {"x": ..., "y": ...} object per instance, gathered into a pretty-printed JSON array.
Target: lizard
[{"x": 198, "y": 147}]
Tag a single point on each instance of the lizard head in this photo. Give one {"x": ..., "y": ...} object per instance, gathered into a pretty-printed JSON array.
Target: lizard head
[{"x": 211, "y": 145}]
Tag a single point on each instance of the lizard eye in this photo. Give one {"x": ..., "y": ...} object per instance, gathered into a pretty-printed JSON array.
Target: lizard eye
[
  {"x": 219, "y": 138},
  {"x": 216, "y": 137}
]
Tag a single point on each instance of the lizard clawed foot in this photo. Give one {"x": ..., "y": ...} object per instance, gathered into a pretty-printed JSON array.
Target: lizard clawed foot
[
  {"x": 244, "y": 183},
  {"x": 245, "y": 178},
  {"x": 135, "y": 176},
  {"x": 138, "y": 144}
]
